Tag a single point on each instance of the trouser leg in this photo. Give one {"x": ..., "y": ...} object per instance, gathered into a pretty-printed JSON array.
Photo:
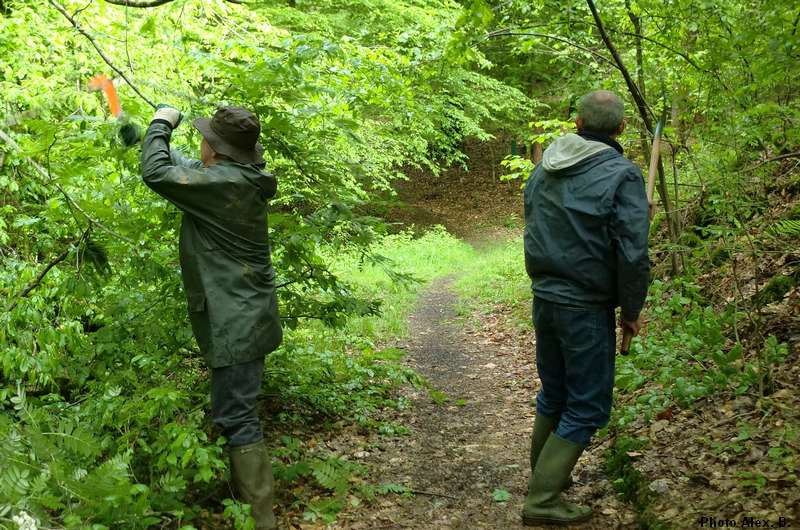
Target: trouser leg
[
  {"x": 588, "y": 348},
  {"x": 234, "y": 394},
  {"x": 552, "y": 397}
]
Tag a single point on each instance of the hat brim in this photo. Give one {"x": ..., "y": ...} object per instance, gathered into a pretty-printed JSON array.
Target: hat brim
[{"x": 219, "y": 145}]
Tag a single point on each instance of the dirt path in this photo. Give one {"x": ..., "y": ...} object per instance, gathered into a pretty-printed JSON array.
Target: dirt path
[{"x": 461, "y": 450}]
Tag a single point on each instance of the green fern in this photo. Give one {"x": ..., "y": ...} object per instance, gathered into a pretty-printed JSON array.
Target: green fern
[
  {"x": 332, "y": 474},
  {"x": 786, "y": 228},
  {"x": 14, "y": 482}
]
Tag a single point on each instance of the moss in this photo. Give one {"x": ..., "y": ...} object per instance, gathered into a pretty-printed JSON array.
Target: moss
[
  {"x": 775, "y": 290},
  {"x": 630, "y": 483},
  {"x": 719, "y": 256},
  {"x": 691, "y": 240}
]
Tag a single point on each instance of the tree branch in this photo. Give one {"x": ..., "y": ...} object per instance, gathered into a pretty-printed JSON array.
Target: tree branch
[
  {"x": 39, "y": 277},
  {"x": 152, "y": 3},
  {"x": 105, "y": 57},
  {"x": 644, "y": 110},
  {"x": 510, "y": 33},
  {"x": 307, "y": 276},
  {"x": 772, "y": 159},
  {"x": 679, "y": 53},
  {"x": 46, "y": 174},
  {"x": 142, "y": 4}
]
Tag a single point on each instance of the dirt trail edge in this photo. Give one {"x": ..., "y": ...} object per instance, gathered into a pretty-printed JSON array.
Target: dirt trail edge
[{"x": 460, "y": 451}]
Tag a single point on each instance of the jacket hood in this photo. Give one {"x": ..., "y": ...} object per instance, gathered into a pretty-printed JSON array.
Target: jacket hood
[{"x": 569, "y": 150}]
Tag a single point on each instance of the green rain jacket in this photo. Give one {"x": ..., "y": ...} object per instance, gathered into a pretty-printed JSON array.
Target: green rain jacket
[
  {"x": 224, "y": 249},
  {"x": 586, "y": 226}
]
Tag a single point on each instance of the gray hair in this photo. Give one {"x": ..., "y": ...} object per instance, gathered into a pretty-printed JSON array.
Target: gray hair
[{"x": 601, "y": 111}]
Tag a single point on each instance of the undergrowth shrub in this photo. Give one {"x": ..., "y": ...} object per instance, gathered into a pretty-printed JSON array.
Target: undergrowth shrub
[
  {"x": 688, "y": 352},
  {"x": 109, "y": 428}
]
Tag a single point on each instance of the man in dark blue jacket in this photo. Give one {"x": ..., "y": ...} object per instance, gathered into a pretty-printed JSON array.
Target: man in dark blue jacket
[{"x": 586, "y": 226}]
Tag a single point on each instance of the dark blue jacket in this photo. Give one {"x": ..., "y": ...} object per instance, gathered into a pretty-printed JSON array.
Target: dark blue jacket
[{"x": 586, "y": 227}]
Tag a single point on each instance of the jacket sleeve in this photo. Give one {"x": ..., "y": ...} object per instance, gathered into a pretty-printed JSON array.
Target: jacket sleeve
[
  {"x": 180, "y": 180},
  {"x": 629, "y": 229},
  {"x": 179, "y": 159},
  {"x": 527, "y": 197}
]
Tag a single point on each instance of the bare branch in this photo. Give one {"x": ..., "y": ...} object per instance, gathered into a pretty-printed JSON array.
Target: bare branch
[
  {"x": 772, "y": 159},
  {"x": 641, "y": 104},
  {"x": 644, "y": 111},
  {"x": 105, "y": 57}
]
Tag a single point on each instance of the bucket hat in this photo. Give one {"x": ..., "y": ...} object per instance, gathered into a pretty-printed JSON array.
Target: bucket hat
[{"x": 233, "y": 132}]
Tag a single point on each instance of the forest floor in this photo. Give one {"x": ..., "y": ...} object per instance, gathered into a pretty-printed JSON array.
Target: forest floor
[
  {"x": 469, "y": 438},
  {"x": 465, "y": 457}
]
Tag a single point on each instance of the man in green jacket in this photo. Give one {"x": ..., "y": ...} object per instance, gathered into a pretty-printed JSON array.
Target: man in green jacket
[
  {"x": 227, "y": 275},
  {"x": 586, "y": 225}
]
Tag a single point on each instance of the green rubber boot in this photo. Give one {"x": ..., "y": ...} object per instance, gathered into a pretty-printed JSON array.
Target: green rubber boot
[
  {"x": 542, "y": 427},
  {"x": 543, "y": 505},
  {"x": 251, "y": 469}
]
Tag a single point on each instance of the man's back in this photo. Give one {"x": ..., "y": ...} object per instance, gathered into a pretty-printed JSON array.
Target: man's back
[
  {"x": 586, "y": 225},
  {"x": 224, "y": 249}
]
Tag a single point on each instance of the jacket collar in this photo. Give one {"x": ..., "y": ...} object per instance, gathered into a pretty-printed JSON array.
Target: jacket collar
[{"x": 600, "y": 137}]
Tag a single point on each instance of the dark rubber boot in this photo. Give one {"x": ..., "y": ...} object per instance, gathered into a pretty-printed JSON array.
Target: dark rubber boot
[
  {"x": 542, "y": 427},
  {"x": 543, "y": 504},
  {"x": 251, "y": 469}
]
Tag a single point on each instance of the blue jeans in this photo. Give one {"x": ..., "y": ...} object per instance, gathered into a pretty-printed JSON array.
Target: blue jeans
[
  {"x": 234, "y": 394},
  {"x": 575, "y": 350}
]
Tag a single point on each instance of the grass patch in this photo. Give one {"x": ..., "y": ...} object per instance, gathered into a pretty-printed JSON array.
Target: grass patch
[
  {"x": 328, "y": 374},
  {"x": 496, "y": 277},
  {"x": 434, "y": 254}
]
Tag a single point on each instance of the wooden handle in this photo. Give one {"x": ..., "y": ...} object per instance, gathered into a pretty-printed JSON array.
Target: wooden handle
[
  {"x": 651, "y": 174},
  {"x": 627, "y": 336},
  {"x": 655, "y": 151}
]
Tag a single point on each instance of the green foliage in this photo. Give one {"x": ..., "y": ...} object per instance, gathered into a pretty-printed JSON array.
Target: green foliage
[
  {"x": 628, "y": 481},
  {"x": 239, "y": 514},
  {"x": 619, "y": 466},
  {"x": 519, "y": 168},
  {"x": 786, "y": 228},
  {"x": 103, "y": 391},
  {"x": 686, "y": 352},
  {"x": 501, "y": 495},
  {"x": 332, "y": 475}
]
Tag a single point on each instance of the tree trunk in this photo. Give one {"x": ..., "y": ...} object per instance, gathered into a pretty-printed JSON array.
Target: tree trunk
[{"x": 641, "y": 105}]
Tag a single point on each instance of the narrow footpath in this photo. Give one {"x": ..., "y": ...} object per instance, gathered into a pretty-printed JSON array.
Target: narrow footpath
[{"x": 468, "y": 446}]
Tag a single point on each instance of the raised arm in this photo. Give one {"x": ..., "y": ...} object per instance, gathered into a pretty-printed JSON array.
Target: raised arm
[{"x": 179, "y": 179}]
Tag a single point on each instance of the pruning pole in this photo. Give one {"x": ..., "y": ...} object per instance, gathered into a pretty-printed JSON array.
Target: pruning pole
[
  {"x": 655, "y": 151},
  {"x": 651, "y": 173}
]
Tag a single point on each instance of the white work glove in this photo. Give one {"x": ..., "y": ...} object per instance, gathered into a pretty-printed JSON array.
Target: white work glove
[{"x": 168, "y": 114}]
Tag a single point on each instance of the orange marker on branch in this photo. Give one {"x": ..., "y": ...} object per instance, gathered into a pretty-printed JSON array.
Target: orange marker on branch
[{"x": 129, "y": 132}]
